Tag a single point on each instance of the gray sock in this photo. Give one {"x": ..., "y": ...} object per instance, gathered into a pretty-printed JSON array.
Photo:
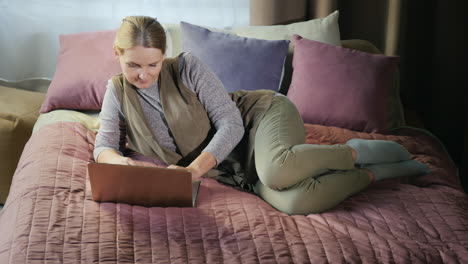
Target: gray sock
[
  {"x": 378, "y": 151},
  {"x": 398, "y": 169}
]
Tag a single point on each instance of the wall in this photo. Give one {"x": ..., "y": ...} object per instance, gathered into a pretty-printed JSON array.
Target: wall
[{"x": 30, "y": 29}]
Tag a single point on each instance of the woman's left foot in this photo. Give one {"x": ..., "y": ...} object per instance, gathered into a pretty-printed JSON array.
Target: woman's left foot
[
  {"x": 397, "y": 169},
  {"x": 378, "y": 151}
]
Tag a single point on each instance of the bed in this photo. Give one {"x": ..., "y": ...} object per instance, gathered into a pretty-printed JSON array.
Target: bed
[{"x": 50, "y": 217}]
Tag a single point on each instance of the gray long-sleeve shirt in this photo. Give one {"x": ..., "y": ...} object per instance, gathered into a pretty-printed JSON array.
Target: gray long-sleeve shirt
[{"x": 222, "y": 111}]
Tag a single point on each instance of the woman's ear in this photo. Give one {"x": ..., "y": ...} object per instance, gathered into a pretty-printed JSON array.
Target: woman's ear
[{"x": 116, "y": 54}]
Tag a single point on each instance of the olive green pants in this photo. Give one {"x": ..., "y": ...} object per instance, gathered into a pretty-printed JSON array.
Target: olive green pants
[{"x": 299, "y": 178}]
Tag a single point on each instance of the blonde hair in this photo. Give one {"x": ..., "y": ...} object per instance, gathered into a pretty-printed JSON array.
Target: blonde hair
[{"x": 140, "y": 31}]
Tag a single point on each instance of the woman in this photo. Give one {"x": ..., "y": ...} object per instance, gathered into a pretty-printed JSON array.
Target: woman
[{"x": 177, "y": 112}]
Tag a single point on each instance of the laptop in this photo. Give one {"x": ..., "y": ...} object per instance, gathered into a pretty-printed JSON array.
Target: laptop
[{"x": 139, "y": 185}]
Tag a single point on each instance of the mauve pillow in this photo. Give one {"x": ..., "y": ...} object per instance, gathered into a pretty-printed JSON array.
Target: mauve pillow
[
  {"x": 239, "y": 62},
  {"x": 341, "y": 87},
  {"x": 85, "y": 63}
]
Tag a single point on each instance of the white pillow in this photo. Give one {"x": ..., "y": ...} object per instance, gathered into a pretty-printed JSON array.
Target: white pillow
[
  {"x": 325, "y": 30},
  {"x": 173, "y": 39}
]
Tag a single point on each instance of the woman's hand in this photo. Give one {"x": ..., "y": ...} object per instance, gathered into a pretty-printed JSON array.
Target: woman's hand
[
  {"x": 125, "y": 161},
  {"x": 195, "y": 174},
  {"x": 130, "y": 161},
  {"x": 201, "y": 165},
  {"x": 112, "y": 157}
]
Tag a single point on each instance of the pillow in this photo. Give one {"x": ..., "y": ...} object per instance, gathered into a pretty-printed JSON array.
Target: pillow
[
  {"x": 325, "y": 30},
  {"x": 19, "y": 110},
  {"x": 173, "y": 39},
  {"x": 85, "y": 63},
  {"x": 341, "y": 87},
  {"x": 239, "y": 62},
  {"x": 396, "y": 115},
  {"x": 89, "y": 119}
]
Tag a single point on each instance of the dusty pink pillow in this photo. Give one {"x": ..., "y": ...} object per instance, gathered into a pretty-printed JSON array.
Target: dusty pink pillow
[
  {"x": 341, "y": 87},
  {"x": 85, "y": 63}
]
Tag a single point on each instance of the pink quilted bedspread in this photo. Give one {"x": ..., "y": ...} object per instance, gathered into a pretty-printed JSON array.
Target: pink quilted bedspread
[{"x": 50, "y": 217}]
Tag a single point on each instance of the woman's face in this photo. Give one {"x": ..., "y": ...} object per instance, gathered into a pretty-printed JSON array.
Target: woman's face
[{"x": 141, "y": 66}]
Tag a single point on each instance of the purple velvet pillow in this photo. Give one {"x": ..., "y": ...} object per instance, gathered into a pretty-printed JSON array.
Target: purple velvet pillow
[
  {"x": 85, "y": 63},
  {"x": 240, "y": 63},
  {"x": 341, "y": 87}
]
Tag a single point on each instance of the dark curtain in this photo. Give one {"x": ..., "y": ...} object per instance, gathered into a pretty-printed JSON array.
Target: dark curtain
[{"x": 430, "y": 38}]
